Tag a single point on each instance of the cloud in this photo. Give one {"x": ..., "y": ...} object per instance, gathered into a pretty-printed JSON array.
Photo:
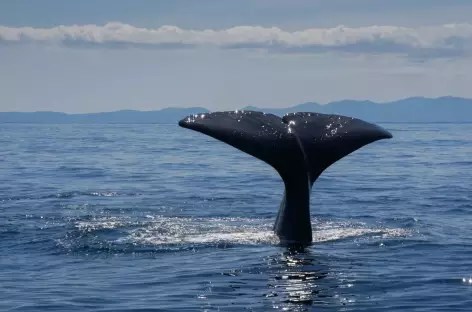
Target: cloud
[{"x": 450, "y": 40}]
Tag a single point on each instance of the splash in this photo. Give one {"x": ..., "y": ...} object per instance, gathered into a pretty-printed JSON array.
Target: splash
[{"x": 161, "y": 233}]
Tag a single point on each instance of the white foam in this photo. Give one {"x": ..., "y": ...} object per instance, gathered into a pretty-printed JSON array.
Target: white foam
[
  {"x": 103, "y": 223},
  {"x": 158, "y": 230},
  {"x": 250, "y": 238},
  {"x": 342, "y": 233}
]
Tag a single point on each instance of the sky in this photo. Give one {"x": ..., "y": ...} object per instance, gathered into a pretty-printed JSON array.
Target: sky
[{"x": 93, "y": 56}]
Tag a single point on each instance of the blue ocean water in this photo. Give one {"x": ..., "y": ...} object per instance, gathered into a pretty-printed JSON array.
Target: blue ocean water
[{"x": 160, "y": 218}]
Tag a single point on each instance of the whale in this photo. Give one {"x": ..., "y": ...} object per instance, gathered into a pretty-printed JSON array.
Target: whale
[{"x": 299, "y": 146}]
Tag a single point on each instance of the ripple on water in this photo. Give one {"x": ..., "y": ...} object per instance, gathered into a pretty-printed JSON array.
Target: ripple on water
[{"x": 117, "y": 218}]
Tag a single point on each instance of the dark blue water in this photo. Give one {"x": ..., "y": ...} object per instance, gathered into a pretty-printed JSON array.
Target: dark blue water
[{"x": 159, "y": 218}]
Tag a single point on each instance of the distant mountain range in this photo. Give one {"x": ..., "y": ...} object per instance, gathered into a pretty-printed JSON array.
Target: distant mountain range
[{"x": 413, "y": 109}]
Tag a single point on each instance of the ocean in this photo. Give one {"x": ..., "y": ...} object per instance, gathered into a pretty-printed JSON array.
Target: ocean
[{"x": 160, "y": 218}]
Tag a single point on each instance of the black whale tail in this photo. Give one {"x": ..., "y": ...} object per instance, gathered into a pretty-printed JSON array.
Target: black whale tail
[{"x": 299, "y": 146}]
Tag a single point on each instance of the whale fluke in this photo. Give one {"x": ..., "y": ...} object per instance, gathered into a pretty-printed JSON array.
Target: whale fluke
[
  {"x": 326, "y": 139},
  {"x": 299, "y": 146}
]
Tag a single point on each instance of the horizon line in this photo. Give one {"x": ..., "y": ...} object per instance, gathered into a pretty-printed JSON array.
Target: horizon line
[{"x": 260, "y": 108}]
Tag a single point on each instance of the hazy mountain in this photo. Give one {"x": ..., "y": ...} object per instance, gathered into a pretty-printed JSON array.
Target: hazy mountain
[
  {"x": 166, "y": 115},
  {"x": 414, "y": 109}
]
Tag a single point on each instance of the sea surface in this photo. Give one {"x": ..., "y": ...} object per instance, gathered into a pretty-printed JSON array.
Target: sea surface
[{"x": 160, "y": 218}]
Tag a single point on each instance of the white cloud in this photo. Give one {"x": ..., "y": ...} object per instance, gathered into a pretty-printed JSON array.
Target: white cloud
[{"x": 450, "y": 40}]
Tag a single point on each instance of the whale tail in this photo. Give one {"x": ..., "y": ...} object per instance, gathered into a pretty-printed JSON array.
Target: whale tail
[{"x": 299, "y": 146}]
